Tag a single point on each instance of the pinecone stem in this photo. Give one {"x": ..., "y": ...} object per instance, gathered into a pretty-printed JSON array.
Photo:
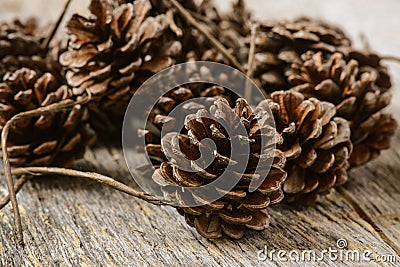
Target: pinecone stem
[
  {"x": 7, "y": 167},
  {"x": 10, "y": 183},
  {"x": 250, "y": 63},
  {"x": 391, "y": 58},
  {"x": 99, "y": 178},
  {"x": 56, "y": 26},
  {"x": 203, "y": 30},
  {"x": 365, "y": 41}
]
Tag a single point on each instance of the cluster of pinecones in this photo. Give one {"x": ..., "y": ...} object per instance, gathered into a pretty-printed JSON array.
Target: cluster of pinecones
[{"x": 326, "y": 98}]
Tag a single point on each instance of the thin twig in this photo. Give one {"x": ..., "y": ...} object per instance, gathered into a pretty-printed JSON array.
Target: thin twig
[
  {"x": 18, "y": 185},
  {"x": 203, "y": 29},
  {"x": 56, "y": 25},
  {"x": 391, "y": 58},
  {"x": 250, "y": 68},
  {"x": 4, "y": 136},
  {"x": 102, "y": 179},
  {"x": 366, "y": 45},
  {"x": 250, "y": 63}
]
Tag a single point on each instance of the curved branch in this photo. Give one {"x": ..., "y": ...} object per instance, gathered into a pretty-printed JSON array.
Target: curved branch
[
  {"x": 4, "y": 136},
  {"x": 99, "y": 178}
]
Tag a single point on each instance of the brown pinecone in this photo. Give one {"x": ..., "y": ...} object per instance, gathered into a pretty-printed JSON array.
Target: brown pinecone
[
  {"x": 233, "y": 30},
  {"x": 240, "y": 208},
  {"x": 20, "y": 46},
  {"x": 160, "y": 6},
  {"x": 316, "y": 144},
  {"x": 316, "y": 59},
  {"x": 357, "y": 84},
  {"x": 51, "y": 139},
  {"x": 378, "y": 132},
  {"x": 281, "y": 43},
  {"x": 159, "y": 116},
  {"x": 230, "y": 28},
  {"x": 115, "y": 50}
]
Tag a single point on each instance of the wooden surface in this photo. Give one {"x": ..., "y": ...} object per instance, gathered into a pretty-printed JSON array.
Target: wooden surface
[{"x": 70, "y": 222}]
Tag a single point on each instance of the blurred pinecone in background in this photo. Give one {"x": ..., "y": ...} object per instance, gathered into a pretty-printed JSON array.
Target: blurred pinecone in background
[
  {"x": 115, "y": 50},
  {"x": 316, "y": 144},
  {"x": 377, "y": 133},
  {"x": 279, "y": 44},
  {"x": 52, "y": 139},
  {"x": 30, "y": 77},
  {"x": 230, "y": 29},
  {"x": 317, "y": 60},
  {"x": 205, "y": 11},
  {"x": 359, "y": 87},
  {"x": 21, "y": 46},
  {"x": 216, "y": 119}
]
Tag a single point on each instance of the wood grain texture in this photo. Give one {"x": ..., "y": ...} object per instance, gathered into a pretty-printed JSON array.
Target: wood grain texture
[{"x": 71, "y": 222}]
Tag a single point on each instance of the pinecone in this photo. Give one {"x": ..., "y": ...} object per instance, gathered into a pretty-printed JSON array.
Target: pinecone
[
  {"x": 51, "y": 139},
  {"x": 316, "y": 144},
  {"x": 20, "y": 46},
  {"x": 316, "y": 59},
  {"x": 160, "y": 6},
  {"x": 380, "y": 129},
  {"x": 281, "y": 43},
  {"x": 358, "y": 85},
  {"x": 115, "y": 50},
  {"x": 159, "y": 116},
  {"x": 233, "y": 30},
  {"x": 240, "y": 208},
  {"x": 230, "y": 29}
]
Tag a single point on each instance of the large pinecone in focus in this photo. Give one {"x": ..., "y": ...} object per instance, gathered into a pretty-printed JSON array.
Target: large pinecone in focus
[
  {"x": 240, "y": 208},
  {"x": 316, "y": 144},
  {"x": 115, "y": 50},
  {"x": 53, "y": 139}
]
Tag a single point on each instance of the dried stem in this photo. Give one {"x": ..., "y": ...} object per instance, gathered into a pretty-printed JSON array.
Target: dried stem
[
  {"x": 4, "y": 136},
  {"x": 391, "y": 58},
  {"x": 56, "y": 26},
  {"x": 203, "y": 29},
  {"x": 250, "y": 68},
  {"x": 250, "y": 64},
  {"x": 365, "y": 42},
  {"x": 99, "y": 178}
]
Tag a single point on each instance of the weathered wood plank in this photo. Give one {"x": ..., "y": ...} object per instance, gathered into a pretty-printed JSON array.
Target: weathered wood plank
[
  {"x": 375, "y": 191},
  {"x": 70, "y": 221}
]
